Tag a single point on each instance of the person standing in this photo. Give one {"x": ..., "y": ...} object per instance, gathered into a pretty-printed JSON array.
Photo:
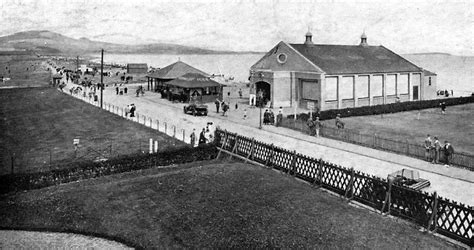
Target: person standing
[
  {"x": 443, "y": 107},
  {"x": 117, "y": 90},
  {"x": 437, "y": 148},
  {"x": 317, "y": 125},
  {"x": 132, "y": 110},
  {"x": 225, "y": 107},
  {"x": 218, "y": 104},
  {"x": 310, "y": 125},
  {"x": 279, "y": 118},
  {"x": 202, "y": 137},
  {"x": 428, "y": 142},
  {"x": 193, "y": 138},
  {"x": 240, "y": 93},
  {"x": 448, "y": 152}
]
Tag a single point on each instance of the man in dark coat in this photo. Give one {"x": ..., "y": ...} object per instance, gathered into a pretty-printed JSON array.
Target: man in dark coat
[
  {"x": 202, "y": 137},
  {"x": 218, "y": 104},
  {"x": 311, "y": 127},
  {"x": 448, "y": 152}
]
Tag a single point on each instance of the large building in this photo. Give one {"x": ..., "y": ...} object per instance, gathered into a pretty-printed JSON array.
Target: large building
[{"x": 337, "y": 76}]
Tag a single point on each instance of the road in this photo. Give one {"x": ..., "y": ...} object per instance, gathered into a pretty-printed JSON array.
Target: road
[{"x": 452, "y": 183}]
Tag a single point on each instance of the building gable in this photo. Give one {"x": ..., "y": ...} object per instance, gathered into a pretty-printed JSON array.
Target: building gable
[{"x": 283, "y": 57}]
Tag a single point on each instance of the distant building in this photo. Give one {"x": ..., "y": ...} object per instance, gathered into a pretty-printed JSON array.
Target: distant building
[
  {"x": 137, "y": 68},
  {"x": 157, "y": 80},
  {"x": 337, "y": 76}
]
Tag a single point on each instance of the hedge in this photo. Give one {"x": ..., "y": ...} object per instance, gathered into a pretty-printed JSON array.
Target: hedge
[
  {"x": 86, "y": 170},
  {"x": 385, "y": 108}
]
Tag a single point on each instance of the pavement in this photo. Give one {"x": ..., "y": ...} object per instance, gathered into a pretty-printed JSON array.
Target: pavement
[
  {"x": 12, "y": 239},
  {"x": 453, "y": 183}
]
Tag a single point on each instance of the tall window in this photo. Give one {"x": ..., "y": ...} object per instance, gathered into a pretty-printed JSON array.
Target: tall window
[
  {"x": 429, "y": 81},
  {"x": 362, "y": 86},
  {"x": 347, "y": 87},
  {"x": 331, "y": 88},
  {"x": 402, "y": 84},
  {"x": 376, "y": 86},
  {"x": 391, "y": 84}
]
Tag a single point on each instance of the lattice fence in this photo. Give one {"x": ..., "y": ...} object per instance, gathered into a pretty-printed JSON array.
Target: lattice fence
[{"x": 428, "y": 210}]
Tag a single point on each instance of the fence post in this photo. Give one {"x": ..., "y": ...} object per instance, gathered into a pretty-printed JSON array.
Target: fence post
[
  {"x": 138, "y": 118},
  {"x": 293, "y": 165},
  {"x": 434, "y": 214},
  {"x": 270, "y": 156},
  {"x": 375, "y": 140},
  {"x": 388, "y": 196},
  {"x": 223, "y": 145},
  {"x": 408, "y": 147},
  {"x": 157, "y": 125},
  {"x": 166, "y": 126},
  {"x": 174, "y": 131},
  {"x": 350, "y": 187},
  {"x": 123, "y": 113},
  {"x": 184, "y": 134},
  {"x": 144, "y": 120},
  {"x": 250, "y": 155},
  {"x": 151, "y": 122}
]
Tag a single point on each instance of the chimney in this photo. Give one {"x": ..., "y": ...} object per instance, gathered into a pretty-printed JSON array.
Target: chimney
[
  {"x": 363, "y": 40},
  {"x": 309, "y": 37}
]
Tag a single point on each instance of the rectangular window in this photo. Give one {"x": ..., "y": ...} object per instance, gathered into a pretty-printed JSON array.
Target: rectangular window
[
  {"x": 402, "y": 84},
  {"x": 362, "y": 86},
  {"x": 429, "y": 81},
  {"x": 309, "y": 90},
  {"x": 347, "y": 87},
  {"x": 376, "y": 86},
  {"x": 391, "y": 84},
  {"x": 331, "y": 88}
]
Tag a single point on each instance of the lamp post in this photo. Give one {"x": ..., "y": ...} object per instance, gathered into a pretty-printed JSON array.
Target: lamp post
[
  {"x": 260, "y": 107},
  {"x": 101, "y": 77}
]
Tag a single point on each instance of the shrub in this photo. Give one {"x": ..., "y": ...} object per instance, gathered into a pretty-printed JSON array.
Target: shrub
[{"x": 384, "y": 108}]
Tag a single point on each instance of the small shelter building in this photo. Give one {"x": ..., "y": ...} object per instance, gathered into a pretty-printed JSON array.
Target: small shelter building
[
  {"x": 157, "y": 81},
  {"x": 193, "y": 87}
]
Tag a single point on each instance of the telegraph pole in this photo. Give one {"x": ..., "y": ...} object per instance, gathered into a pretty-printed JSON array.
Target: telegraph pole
[
  {"x": 101, "y": 77},
  {"x": 77, "y": 64}
]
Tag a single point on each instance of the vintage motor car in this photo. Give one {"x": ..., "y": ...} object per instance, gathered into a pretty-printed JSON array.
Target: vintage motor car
[
  {"x": 195, "y": 109},
  {"x": 409, "y": 178}
]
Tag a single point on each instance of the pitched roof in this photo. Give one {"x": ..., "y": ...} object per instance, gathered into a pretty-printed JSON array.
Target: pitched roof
[
  {"x": 428, "y": 73},
  {"x": 349, "y": 59},
  {"x": 193, "y": 80},
  {"x": 175, "y": 70}
]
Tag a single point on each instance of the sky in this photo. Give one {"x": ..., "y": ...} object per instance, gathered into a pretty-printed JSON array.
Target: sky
[{"x": 416, "y": 26}]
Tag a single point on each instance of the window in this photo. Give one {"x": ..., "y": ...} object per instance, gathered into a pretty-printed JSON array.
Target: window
[
  {"x": 347, "y": 87},
  {"x": 282, "y": 58},
  {"x": 362, "y": 86},
  {"x": 402, "y": 84},
  {"x": 309, "y": 90},
  {"x": 376, "y": 86},
  {"x": 391, "y": 84},
  {"x": 331, "y": 88},
  {"x": 429, "y": 81}
]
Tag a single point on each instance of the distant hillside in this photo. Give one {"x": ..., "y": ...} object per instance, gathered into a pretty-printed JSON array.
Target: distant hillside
[{"x": 47, "y": 42}]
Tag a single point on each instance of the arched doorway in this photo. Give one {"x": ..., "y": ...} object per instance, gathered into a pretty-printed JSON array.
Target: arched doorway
[{"x": 263, "y": 91}]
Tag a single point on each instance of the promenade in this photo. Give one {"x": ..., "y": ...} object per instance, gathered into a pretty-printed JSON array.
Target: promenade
[{"x": 453, "y": 183}]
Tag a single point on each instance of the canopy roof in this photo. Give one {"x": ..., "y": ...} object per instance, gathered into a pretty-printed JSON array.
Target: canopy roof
[
  {"x": 175, "y": 70},
  {"x": 193, "y": 80}
]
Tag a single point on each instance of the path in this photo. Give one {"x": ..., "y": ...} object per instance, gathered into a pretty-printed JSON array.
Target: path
[
  {"x": 12, "y": 239},
  {"x": 453, "y": 183}
]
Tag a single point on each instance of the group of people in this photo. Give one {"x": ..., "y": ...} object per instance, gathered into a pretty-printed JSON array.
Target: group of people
[
  {"x": 205, "y": 136},
  {"x": 224, "y": 105},
  {"x": 433, "y": 150},
  {"x": 130, "y": 109},
  {"x": 314, "y": 126},
  {"x": 270, "y": 119}
]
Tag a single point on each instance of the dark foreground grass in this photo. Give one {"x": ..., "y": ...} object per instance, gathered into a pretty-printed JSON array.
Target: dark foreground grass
[
  {"x": 209, "y": 205},
  {"x": 456, "y": 126},
  {"x": 38, "y": 126}
]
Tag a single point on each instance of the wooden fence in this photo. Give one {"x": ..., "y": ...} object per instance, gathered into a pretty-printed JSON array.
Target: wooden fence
[{"x": 427, "y": 210}]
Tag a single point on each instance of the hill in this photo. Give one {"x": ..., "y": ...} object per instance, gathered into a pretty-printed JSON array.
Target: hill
[{"x": 50, "y": 43}]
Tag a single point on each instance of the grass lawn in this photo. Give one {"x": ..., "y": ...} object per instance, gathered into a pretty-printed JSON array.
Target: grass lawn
[
  {"x": 38, "y": 125},
  {"x": 23, "y": 71},
  {"x": 209, "y": 205},
  {"x": 456, "y": 126}
]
